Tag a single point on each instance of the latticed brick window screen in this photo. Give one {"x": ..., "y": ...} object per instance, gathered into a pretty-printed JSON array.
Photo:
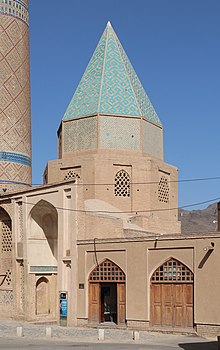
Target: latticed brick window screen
[
  {"x": 122, "y": 184},
  {"x": 163, "y": 190},
  {"x": 6, "y": 236},
  {"x": 172, "y": 271},
  {"x": 107, "y": 271},
  {"x": 71, "y": 174},
  {"x": 8, "y": 277}
]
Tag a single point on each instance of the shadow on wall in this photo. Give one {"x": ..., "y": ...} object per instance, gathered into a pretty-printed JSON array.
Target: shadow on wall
[
  {"x": 211, "y": 345},
  {"x": 44, "y": 224}
]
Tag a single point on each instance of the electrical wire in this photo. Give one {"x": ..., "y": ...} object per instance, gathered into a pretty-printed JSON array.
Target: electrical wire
[
  {"x": 112, "y": 184},
  {"x": 15, "y": 182},
  {"x": 128, "y": 212}
]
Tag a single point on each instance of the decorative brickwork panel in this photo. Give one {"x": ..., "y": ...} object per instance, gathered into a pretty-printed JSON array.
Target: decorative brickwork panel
[
  {"x": 15, "y": 133},
  {"x": 122, "y": 184},
  {"x": 172, "y": 271},
  {"x": 6, "y": 236},
  {"x": 15, "y": 8},
  {"x": 18, "y": 172},
  {"x": 80, "y": 134},
  {"x": 20, "y": 218},
  {"x": 6, "y": 297},
  {"x": 120, "y": 133},
  {"x": 22, "y": 292},
  {"x": 71, "y": 174},
  {"x": 163, "y": 189},
  {"x": 6, "y": 293},
  {"x": 107, "y": 271}
]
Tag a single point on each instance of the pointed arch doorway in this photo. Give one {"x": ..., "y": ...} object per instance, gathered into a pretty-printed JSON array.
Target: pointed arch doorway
[
  {"x": 107, "y": 293},
  {"x": 172, "y": 295}
]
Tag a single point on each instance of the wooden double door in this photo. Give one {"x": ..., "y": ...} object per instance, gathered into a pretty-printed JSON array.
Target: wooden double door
[
  {"x": 107, "y": 302},
  {"x": 172, "y": 304}
]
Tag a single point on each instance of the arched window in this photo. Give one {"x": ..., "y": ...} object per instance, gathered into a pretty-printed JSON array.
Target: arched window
[
  {"x": 107, "y": 271},
  {"x": 172, "y": 271},
  {"x": 122, "y": 184}
]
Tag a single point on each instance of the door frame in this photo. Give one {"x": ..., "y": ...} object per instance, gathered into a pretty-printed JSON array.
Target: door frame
[
  {"x": 106, "y": 272},
  {"x": 172, "y": 273}
]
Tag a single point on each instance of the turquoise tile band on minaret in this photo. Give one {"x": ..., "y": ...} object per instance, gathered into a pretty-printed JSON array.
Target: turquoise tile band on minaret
[
  {"x": 15, "y": 158},
  {"x": 110, "y": 85}
]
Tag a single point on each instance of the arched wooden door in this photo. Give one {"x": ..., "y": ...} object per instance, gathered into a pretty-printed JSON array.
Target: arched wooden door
[
  {"x": 107, "y": 283},
  {"x": 172, "y": 295}
]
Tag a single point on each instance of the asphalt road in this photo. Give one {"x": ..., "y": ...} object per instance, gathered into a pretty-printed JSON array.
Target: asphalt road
[{"x": 62, "y": 344}]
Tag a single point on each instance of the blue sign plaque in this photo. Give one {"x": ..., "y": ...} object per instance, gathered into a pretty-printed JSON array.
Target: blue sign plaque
[{"x": 63, "y": 304}]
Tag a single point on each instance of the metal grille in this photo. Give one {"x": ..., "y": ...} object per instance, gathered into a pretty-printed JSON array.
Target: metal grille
[
  {"x": 172, "y": 271},
  {"x": 107, "y": 271},
  {"x": 122, "y": 184}
]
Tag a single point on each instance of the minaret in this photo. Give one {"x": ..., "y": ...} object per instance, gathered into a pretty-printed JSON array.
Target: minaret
[{"x": 15, "y": 120}]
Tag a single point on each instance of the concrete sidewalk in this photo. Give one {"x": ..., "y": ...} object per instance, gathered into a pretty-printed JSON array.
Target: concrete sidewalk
[{"x": 92, "y": 335}]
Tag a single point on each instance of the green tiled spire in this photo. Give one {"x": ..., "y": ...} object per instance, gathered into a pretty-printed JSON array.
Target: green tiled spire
[{"x": 110, "y": 84}]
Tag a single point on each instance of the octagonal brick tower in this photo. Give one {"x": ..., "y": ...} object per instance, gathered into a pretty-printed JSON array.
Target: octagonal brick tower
[
  {"x": 111, "y": 142},
  {"x": 15, "y": 121}
]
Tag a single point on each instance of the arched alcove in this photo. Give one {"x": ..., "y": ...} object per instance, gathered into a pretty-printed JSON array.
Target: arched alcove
[
  {"x": 42, "y": 296},
  {"x": 43, "y": 234}
]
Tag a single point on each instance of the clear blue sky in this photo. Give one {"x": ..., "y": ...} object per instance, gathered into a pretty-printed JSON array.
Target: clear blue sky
[{"x": 174, "y": 46}]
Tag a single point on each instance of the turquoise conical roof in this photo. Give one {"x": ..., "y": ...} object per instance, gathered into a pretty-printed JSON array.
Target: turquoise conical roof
[{"x": 110, "y": 84}]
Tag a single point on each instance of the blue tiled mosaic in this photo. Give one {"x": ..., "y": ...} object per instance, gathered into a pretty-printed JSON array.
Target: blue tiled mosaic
[
  {"x": 15, "y": 157},
  {"x": 86, "y": 98},
  {"x": 43, "y": 268},
  {"x": 110, "y": 85}
]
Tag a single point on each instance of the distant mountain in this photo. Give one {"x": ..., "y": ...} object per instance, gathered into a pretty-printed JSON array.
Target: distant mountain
[{"x": 199, "y": 220}]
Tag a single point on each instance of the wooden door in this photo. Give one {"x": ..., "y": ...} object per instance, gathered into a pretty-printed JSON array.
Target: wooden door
[
  {"x": 94, "y": 302},
  {"x": 167, "y": 304},
  {"x": 178, "y": 305},
  {"x": 121, "y": 302},
  {"x": 188, "y": 292},
  {"x": 156, "y": 304},
  {"x": 172, "y": 304}
]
